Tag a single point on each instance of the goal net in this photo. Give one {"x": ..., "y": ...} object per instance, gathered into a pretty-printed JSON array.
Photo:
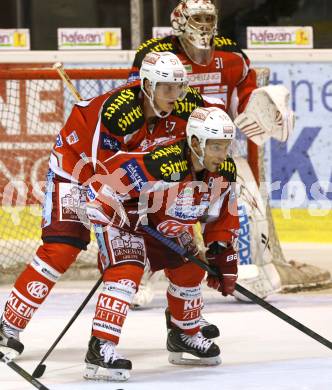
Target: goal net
[{"x": 34, "y": 104}]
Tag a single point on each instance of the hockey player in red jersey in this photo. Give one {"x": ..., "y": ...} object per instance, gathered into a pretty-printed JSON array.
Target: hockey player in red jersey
[
  {"x": 95, "y": 130},
  {"x": 217, "y": 67},
  {"x": 125, "y": 193}
]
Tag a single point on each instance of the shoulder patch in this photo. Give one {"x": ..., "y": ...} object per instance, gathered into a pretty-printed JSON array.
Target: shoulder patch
[
  {"x": 168, "y": 163},
  {"x": 183, "y": 108},
  {"x": 135, "y": 174},
  {"x": 122, "y": 113}
]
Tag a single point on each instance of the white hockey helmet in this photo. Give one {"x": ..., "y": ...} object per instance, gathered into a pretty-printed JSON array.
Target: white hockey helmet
[
  {"x": 210, "y": 123},
  {"x": 163, "y": 67},
  {"x": 195, "y": 23}
]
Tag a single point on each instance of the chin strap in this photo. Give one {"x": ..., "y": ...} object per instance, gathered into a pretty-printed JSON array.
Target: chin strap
[{"x": 158, "y": 113}]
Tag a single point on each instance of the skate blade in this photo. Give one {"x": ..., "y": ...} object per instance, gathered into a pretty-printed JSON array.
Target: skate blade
[
  {"x": 96, "y": 373},
  {"x": 9, "y": 353},
  {"x": 178, "y": 359}
]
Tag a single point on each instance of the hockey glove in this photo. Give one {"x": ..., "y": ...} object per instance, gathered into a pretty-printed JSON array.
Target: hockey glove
[
  {"x": 228, "y": 170},
  {"x": 224, "y": 262},
  {"x": 102, "y": 214}
]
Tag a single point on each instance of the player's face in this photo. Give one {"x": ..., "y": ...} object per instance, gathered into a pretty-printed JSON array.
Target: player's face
[
  {"x": 202, "y": 22},
  {"x": 215, "y": 153},
  {"x": 166, "y": 94}
]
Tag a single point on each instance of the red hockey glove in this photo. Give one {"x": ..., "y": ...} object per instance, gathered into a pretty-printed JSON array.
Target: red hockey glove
[{"x": 224, "y": 262}]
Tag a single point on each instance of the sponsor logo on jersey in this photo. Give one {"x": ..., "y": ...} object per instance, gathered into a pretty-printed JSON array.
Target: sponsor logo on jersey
[
  {"x": 58, "y": 142},
  {"x": 135, "y": 174},
  {"x": 204, "y": 78},
  {"x": 109, "y": 143},
  {"x": 187, "y": 213},
  {"x": 173, "y": 169},
  {"x": 84, "y": 157},
  {"x": 72, "y": 203},
  {"x": 167, "y": 163},
  {"x": 222, "y": 41},
  {"x": 185, "y": 107},
  {"x": 37, "y": 289},
  {"x": 129, "y": 118},
  {"x": 149, "y": 143},
  {"x": 127, "y": 247},
  {"x": 211, "y": 89},
  {"x": 72, "y": 138},
  {"x": 166, "y": 151},
  {"x": 116, "y": 101}
]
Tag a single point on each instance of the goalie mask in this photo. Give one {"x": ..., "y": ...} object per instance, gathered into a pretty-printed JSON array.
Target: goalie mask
[
  {"x": 167, "y": 79},
  {"x": 195, "y": 23},
  {"x": 210, "y": 123}
]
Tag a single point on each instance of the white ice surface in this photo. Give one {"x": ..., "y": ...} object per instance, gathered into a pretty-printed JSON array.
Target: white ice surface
[{"x": 259, "y": 351}]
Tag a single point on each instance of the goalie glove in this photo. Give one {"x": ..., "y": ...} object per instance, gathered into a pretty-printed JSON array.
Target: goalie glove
[
  {"x": 267, "y": 115},
  {"x": 224, "y": 261},
  {"x": 228, "y": 170}
]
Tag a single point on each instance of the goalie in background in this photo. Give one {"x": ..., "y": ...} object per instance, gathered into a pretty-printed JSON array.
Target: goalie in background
[
  {"x": 181, "y": 181},
  {"x": 218, "y": 68}
]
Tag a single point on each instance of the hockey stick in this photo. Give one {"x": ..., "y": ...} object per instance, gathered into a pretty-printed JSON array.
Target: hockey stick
[
  {"x": 22, "y": 372},
  {"x": 65, "y": 78},
  {"x": 40, "y": 369},
  {"x": 253, "y": 297}
]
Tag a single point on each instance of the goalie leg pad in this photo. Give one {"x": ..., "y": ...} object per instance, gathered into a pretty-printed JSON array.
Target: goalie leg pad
[{"x": 261, "y": 280}]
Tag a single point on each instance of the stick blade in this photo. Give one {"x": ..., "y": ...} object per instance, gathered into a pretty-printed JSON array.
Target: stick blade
[{"x": 39, "y": 371}]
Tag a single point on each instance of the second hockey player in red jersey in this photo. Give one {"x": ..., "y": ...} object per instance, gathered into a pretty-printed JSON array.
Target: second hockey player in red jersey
[{"x": 170, "y": 187}]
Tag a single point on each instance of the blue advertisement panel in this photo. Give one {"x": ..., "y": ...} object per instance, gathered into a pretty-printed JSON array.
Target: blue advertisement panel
[{"x": 300, "y": 170}]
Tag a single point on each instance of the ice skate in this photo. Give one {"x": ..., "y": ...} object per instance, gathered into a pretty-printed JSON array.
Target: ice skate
[
  {"x": 10, "y": 344},
  {"x": 206, "y": 352},
  {"x": 210, "y": 331},
  {"x": 101, "y": 356}
]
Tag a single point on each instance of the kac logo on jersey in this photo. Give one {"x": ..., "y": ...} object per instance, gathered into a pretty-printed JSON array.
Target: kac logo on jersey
[
  {"x": 37, "y": 289},
  {"x": 109, "y": 143},
  {"x": 171, "y": 228},
  {"x": 135, "y": 174},
  {"x": 72, "y": 138}
]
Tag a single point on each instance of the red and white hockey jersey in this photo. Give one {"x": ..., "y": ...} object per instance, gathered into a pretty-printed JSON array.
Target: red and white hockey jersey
[
  {"x": 100, "y": 127},
  {"x": 228, "y": 76},
  {"x": 158, "y": 183}
]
